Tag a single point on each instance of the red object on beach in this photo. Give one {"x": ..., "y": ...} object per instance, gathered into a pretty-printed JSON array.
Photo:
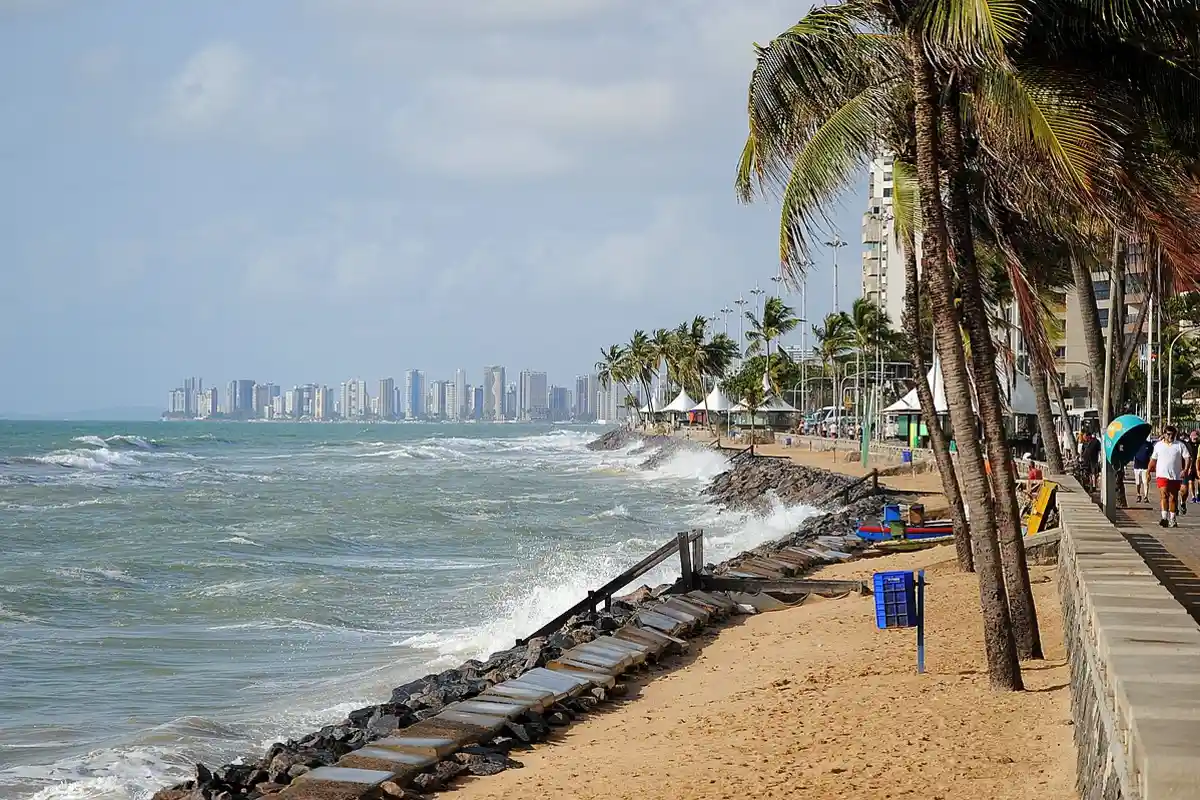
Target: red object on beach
[
  {"x": 1035, "y": 474},
  {"x": 947, "y": 529}
]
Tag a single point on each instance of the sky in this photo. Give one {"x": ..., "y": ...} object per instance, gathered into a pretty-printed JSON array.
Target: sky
[{"x": 316, "y": 190}]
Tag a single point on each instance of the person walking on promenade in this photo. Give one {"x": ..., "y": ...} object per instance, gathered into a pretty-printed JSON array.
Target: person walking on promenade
[
  {"x": 1170, "y": 463},
  {"x": 1193, "y": 446},
  {"x": 1089, "y": 458},
  {"x": 1141, "y": 470}
]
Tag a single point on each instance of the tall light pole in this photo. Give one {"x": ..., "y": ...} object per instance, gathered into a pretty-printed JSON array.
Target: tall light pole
[
  {"x": 758, "y": 294},
  {"x": 726, "y": 311},
  {"x": 741, "y": 304},
  {"x": 836, "y": 244},
  {"x": 807, "y": 267},
  {"x": 778, "y": 281}
]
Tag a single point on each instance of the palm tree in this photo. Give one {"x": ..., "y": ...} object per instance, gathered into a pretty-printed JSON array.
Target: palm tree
[
  {"x": 834, "y": 340},
  {"x": 713, "y": 360},
  {"x": 778, "y": 320},
  {"x": 1048, "y": 102},
  {"x": 662, "y": 345},
  {"x": 613, "y": 366},
  {"x": 643, "y": 364}
]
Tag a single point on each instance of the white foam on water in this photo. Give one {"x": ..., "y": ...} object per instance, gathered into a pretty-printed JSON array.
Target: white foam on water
[
  {"x": 240, "y": 540},
  {"x": 99, "y": 460},
  {"x": 690, "y": 465}
]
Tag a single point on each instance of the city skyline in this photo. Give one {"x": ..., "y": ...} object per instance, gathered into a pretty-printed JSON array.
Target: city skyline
[{"x": 494, "y": 399}]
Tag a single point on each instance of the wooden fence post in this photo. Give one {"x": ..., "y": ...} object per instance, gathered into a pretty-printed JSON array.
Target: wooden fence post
[
  {"x": 685, "y": 560},
  {"x": 697, "y": 558}
]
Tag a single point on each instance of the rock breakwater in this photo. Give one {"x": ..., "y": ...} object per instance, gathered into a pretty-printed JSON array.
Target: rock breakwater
[{"x": 749, "y": 483}]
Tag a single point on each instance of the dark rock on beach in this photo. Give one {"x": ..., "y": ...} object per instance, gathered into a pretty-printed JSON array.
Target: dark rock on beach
[
  {"x": 751, "y": 482},
  {"x": 615, "y": 439}
]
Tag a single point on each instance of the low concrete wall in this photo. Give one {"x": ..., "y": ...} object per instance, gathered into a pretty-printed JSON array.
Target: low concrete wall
[{"x": 1134, "y": 654}]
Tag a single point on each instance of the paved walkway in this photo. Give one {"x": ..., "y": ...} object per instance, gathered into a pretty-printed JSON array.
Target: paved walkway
[{"x": 1173, "y": 554}]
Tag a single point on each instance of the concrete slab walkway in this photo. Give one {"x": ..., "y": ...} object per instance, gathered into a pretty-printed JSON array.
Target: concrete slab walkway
[{"x": 1173, "y": 554}]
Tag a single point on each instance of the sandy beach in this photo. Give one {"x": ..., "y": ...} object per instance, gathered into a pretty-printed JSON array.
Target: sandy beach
[{"x": 814, "y": 701}]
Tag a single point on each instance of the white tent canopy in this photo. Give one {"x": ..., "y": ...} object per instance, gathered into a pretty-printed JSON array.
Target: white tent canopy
[
  {"x": 772, "y": 404},
  {"x": 716, "y": 402},
  {"x": 1020, "y": 394},
  {"x": 681, "y": 404}
]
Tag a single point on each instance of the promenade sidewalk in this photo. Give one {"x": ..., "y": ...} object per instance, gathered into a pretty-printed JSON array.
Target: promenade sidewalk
[{"x": 1173, "y": 554}]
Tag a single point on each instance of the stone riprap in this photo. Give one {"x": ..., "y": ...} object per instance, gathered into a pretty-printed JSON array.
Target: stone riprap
[
  {"x": 468, "y": 720},
  {"x": 752, "y": 481},
  {"x": 1134, "y": 655}
]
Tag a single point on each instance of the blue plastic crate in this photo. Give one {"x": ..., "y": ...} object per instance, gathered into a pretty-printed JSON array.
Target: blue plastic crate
[
  {"x": 891, "y": 514},
  {"x": 895, "y": 600}
]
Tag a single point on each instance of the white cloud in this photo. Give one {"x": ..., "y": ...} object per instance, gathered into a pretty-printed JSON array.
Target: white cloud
[
  {"x": 475, "y": 126},
  {"x": 211, "y": 87},
  {"x": 221, "y": 91}
]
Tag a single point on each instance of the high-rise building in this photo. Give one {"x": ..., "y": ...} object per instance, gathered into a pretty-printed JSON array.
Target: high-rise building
[
  {"x": 355, "y": 400},
  {"x": 240, "y": 399},
  {"x": 462, "y": 400},
  {"x": 510, "y": 402},
  {"x": 414, "y": 394},
  {"x": 387, "y": 398},
  {"x": 322, "y": 401},
  {"x": 453, "y": 401},
  {"x": 882, "y": 258},
  {"x": 439, "y": 400},
  {"x": 476, "y": 402},
  {"x": 177, "y": 403},
  {"x": 493, "y": 394},
  {"x": 532, "y": 396},
  {"x": 560, "y": 403},
  {"x": 278, "y": 410},
  {"x": 192, "y": 387},
  {"x": 264, "y": 394},
  {"x": 585, "y": 396}
]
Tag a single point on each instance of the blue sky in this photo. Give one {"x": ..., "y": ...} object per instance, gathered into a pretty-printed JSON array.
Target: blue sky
[{"x": 314, "y": 190}]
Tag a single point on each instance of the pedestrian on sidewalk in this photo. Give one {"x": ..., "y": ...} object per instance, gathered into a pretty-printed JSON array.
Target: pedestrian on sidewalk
[
  {"x": 1193, "y": 446},
  {"x": 1141, "y": 470},
  {"x": 1089, "y": 458},
  {"x": 1170, "y": 463}
]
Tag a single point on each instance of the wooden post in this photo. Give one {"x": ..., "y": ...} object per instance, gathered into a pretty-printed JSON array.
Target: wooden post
[
  {"x": 685, "y": 560},
  {"x": 875, "y": 480},
  {"x": 697, "y": 558}
]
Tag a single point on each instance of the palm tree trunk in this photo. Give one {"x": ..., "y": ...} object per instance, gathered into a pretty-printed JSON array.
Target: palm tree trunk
[
  {"x": 1093, "y": 339},
  {"x": 1041, "y": 395},
  {"x": 937, "y": 435},
  {"x": 1021, "y": 607},
  {"x": 1004, "y": 670}
]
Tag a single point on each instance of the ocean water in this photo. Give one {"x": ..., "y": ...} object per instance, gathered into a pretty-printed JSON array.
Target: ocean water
[{"x": 175, "y": 592}]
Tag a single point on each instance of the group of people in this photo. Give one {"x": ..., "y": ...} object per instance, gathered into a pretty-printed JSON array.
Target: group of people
[{"x": 1172, "y": 460}]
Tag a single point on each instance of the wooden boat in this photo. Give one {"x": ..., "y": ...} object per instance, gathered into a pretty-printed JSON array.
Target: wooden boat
[
  {"x": 908, "y": 545},
  {"x": 880, "y": 533}
]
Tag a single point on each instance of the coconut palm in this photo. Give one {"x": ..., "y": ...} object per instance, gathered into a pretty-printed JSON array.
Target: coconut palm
[
  {"x": 614, "y": 367},
  {"x": 1044, "y": 98},
  {"x": 643, "y": 364}
]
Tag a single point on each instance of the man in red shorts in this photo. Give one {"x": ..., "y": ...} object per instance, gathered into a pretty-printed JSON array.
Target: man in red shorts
[{"x": 1170, "y": 464}]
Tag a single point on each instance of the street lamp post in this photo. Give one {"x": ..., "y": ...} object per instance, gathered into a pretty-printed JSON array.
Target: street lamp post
[
  {"x": 836, "y": 244},
  {"x": 726, "y": 311},
  {"x": 758, "y": 294},
  {"x": 741, "y": 304}
]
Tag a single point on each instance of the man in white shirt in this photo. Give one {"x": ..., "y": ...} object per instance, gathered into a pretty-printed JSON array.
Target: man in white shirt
[{"x": 1170, "y": 464}]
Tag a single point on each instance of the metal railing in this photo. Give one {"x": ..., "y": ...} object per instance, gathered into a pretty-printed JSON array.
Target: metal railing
[{"x": 688, "y": 544}]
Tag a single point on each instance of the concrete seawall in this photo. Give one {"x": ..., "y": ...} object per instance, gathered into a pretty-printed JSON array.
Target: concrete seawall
[{"x": 1134, "y": 655}]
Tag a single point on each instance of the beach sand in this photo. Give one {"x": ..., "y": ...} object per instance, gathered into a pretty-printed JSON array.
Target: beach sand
[{"x": 814, "y": 702}]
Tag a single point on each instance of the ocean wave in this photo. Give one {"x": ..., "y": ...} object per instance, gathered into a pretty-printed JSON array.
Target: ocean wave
[
  {"x": 96, "y": 575},
  {"x": 95, "y": 501},
  {"x": 690, "y": 465},
  {"x": 239, "y": 540},
  {"x": 98, "y": 460}
]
